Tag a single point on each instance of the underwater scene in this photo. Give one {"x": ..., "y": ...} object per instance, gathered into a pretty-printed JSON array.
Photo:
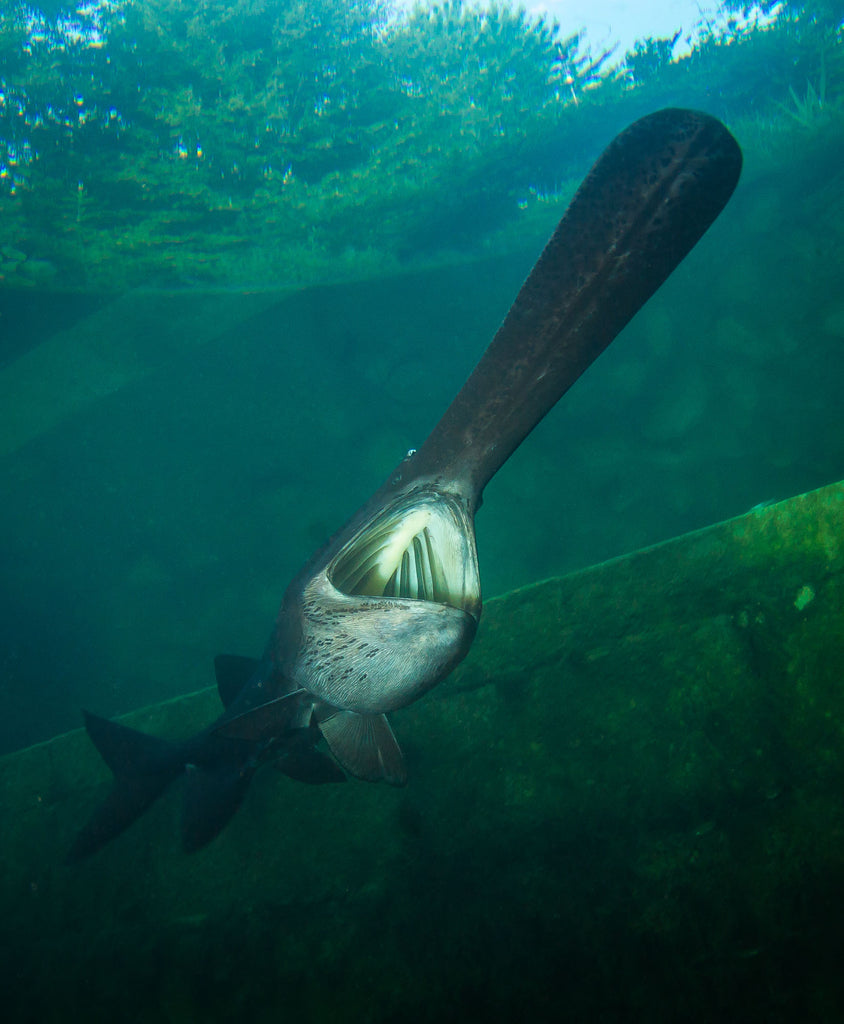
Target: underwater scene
[{"x": 250, "y": 253}]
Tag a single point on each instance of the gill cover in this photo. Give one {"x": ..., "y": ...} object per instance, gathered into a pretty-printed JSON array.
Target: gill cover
[{"x": 391, "y": 608}]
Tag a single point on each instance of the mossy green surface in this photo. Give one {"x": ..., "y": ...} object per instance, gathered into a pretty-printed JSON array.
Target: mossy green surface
[{"x": 627, "y": 800}]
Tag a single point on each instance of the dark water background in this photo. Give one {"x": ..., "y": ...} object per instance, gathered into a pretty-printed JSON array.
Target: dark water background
[
  {"x": 158, "y": 524},
  {"x": 207, "y": 364}
]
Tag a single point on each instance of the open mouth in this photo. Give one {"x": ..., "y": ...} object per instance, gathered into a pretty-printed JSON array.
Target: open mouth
[{"x": 422, "y": 548}]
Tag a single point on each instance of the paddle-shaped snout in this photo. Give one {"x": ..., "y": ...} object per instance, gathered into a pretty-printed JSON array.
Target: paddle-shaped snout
[
  {"x": 646, "y": 202},
  {"x": 390, "y": 606}
]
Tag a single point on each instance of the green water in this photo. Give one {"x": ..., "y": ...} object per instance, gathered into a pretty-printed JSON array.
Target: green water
[{"x": 250, "y": 251}]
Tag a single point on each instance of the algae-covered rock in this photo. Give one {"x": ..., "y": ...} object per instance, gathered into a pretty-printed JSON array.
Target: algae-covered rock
[{"x": 627, "y": 798}]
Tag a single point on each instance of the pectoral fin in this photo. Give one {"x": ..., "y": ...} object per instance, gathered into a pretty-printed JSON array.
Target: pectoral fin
[{"x": 365, "y": 746}]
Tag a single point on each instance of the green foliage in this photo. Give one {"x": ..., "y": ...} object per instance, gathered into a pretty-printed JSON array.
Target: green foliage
[
  {"x": 807, "y": 109},
  {"x": 203, "y": 130},
  {"x": 275, "y": 141},
  {"x": 649, "y": 57}
]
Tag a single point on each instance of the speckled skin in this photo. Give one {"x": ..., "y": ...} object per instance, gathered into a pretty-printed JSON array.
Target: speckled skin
[
  {"x": 338, "y": 661},
  {"x": 645, "y": 203}
]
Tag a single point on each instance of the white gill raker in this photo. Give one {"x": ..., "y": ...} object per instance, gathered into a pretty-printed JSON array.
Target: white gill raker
[
  {"x": 423, "y": 569},
  {"x": 434, "y": 568},
  {"x": 419, "y": 574},
  {"x": 396, "y": 578},
  {"x": 402, "y": 557},
  {"x": 355, "y": 573},
  {"x": 401, "y": 577},
  {"x": 399, "y": 535},
  {"x": 365, "y": 568},
  {"x": 412, "y": 576}
]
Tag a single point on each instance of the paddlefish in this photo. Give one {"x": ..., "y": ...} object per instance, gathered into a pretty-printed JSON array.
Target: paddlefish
[{"x": 388, "y": 607}]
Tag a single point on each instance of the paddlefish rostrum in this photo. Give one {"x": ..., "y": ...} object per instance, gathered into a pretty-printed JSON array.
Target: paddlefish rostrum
[{"x": 391, "y": 603}]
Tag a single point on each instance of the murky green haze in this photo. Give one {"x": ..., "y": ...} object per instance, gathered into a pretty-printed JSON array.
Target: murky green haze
[
  {"x": 170, "y": 457},
  {"x": 249, "y": 251},
  {"x": 158, "y": 520}
]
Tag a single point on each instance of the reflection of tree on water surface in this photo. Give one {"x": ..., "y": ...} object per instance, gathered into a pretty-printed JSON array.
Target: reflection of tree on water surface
[{"x": 169, "y": 142}]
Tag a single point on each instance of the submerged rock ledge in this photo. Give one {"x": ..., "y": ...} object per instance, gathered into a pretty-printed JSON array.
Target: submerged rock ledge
[{"x": 628, "y": 797}]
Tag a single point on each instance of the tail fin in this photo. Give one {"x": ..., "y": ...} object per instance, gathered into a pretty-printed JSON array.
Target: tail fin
[
  {"x": 143, "y": 768},
  {"x": 212, "y": 794}
]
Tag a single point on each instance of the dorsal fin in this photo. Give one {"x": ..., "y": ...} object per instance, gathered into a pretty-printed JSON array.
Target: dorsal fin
[
  {"x": 365, "y": 746},
  {"x": 233, "y": 672}
]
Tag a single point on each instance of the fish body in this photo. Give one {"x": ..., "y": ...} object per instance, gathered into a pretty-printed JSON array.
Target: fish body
[{"x": 391, "y": 603}]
